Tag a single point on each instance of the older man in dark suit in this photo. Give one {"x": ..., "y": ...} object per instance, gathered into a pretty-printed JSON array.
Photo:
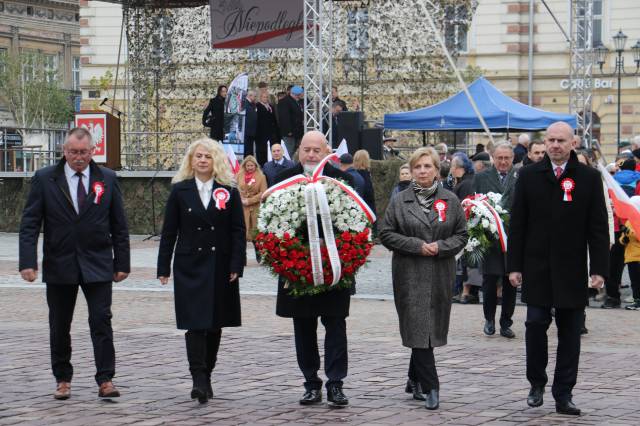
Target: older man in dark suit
[
  {"x": 558, "y": 216},
  {"x": 86, "y": 245},
  {"x": 332, "y": 307},
  {"x": 499, "y": 178}
]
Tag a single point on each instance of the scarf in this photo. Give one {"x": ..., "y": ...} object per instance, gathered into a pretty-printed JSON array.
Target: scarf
[
  {"x": 425, "y": 196},
  {"x": 248, "y": 177},
  {"x": 267, "y": 106}
]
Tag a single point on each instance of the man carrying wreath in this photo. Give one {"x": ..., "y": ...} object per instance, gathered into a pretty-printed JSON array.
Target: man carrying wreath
[{"x": 331, "y": 306}]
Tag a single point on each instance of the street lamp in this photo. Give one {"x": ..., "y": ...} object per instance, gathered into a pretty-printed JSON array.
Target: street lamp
[{"x": 601, "y": 52}]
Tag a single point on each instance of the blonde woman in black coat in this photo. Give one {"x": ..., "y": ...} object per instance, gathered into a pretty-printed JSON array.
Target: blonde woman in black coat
[{"x": 204, "y": 214}]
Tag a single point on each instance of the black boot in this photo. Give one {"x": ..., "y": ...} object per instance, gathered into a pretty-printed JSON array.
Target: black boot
[
  {"x": 432, "y": 400},
  {"x": 414, "y": 388},
  {"x": 196, "y": 353}
]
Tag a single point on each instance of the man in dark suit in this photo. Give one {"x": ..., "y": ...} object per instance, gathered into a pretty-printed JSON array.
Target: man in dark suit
[
  {"x": 558, "y": 215},
  {"x": 291, "y": 118},
  {"x": 86, "y": 245},
  {"x": 332, "y": 307},
  {"x": 213, "y": 114},
  {"x": 278, "y": 164},
  {"x": 499, "y": 178},
  {"x": 250, "y": 124}
]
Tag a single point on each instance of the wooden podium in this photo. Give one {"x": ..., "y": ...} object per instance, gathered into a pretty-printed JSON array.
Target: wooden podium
[{"x": 105, "y": 129}]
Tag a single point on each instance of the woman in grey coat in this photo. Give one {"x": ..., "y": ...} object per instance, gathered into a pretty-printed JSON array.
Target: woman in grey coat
[{"x": 425, "y": 227}]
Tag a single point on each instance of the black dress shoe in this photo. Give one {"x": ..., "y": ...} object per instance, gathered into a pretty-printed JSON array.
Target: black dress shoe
[
  {"x": 489, "y": 328},
  {"x": 209, "y": 391},
  {"x": 535, "y": 396},
  {"x": 567, "y": 407},
  {"x": 311, "y": 396},
  {"x": 415, "y": 388},
  {"x": 507, "y": 332},
  {"x": 336, "y": 397},
  {"x": 432, "y": 400}
]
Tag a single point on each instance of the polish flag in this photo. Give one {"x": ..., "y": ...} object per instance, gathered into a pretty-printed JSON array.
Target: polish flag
[
  {"x": 284, "y": 150},
  {"x": 231, "y": 157},
  {"x": 342, "y": 148},
  {"x": 625, "y": 207}
]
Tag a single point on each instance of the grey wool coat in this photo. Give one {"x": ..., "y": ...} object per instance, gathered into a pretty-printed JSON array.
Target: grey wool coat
[{"x": 422, "y": 285}]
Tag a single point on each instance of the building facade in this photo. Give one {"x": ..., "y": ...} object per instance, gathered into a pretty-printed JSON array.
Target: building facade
[
  {"x": 498, "y": 43},
  {"x": 49, "y": 28}
]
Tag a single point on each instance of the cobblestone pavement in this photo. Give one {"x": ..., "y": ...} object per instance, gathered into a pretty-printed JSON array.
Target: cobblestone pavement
[{"x": 257, "y": 381}]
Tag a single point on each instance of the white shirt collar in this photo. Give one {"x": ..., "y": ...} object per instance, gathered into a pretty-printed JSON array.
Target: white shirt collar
[
  {"x": 562, "y": 166},
  {"x": 206, "y": 185},
  {"x": 69, "y": 172},
  {"x": 279, "y": 162}
]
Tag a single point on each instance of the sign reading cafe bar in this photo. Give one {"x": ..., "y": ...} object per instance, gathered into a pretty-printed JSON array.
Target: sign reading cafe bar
[{"x": 247, "y": 24}]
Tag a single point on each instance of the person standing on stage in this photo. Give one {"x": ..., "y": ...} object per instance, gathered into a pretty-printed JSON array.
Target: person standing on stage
[
  {"x": 291, "y": 118},
  {"x": 425, "y": 227},
  {"x": 213, "y": 115},
  {"x": 557, "y": 217},
  {"x": 332, "y": 307},
  {"x": 266, "y": 128},
  {"x": 204, "y": 214},
  {"x": 500, "y": 178},
  {"x": 86, "y": 245}
]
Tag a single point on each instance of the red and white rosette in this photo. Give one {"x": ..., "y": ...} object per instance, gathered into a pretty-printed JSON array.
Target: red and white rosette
[
  {"x": 440, "y": 206},
  {"x": 316, "y": 202},
  {"x": 568, "y": 185},
  {"x": 221, "y": 196},
  {"x": 98, "y": 189}
]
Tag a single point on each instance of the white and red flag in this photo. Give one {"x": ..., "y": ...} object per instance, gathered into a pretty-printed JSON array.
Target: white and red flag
[{"x": 625, "y": 207}]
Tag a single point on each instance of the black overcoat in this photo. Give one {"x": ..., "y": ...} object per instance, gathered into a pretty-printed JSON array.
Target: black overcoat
[
  {"x": 290, "y": 118},
  {"x": 494, "y": 262},
  {"x": 213, "y": 117},
  {"x": 78, "y": 248},
  {"x": 549, "y": 238},
  {"x": 333, "y": 302},
  {"x": 267, "y": 125},
  {"x": 210, "y": 246}
]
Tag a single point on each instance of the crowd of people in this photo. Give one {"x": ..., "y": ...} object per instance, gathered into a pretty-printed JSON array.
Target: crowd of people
[
  {"x": 559, "y": 248},
  {"x": 268, "y": 118}
]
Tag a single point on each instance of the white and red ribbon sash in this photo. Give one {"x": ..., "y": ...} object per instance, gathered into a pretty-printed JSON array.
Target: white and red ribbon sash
[
  {"x": 480, "y": 201},
  {"x": 316, "y": 200}
]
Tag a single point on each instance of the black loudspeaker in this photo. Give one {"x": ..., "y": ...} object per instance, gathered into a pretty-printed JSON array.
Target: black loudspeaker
[
  {"x": 371, "y": 140},
  {"x": 350, "y": 124}
]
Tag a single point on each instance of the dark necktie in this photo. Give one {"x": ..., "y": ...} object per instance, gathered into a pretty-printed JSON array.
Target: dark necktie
[
  {"x": 502, "y": 177},
  {"x": 558, "y": 172},
  {"x": 82, "y": 193}
]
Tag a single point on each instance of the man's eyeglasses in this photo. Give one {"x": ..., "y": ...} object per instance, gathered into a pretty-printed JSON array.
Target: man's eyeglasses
[{"x": 76, "y": 152}]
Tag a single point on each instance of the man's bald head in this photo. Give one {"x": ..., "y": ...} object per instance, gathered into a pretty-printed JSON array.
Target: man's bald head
[
  {"x": 276, "y": 152},
  {"x": 559, "y": 142},
  {"x": 313, "y": 148}
]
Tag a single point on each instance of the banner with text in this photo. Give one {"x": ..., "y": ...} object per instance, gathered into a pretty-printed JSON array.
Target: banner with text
[{"x": 256, "y": 24}]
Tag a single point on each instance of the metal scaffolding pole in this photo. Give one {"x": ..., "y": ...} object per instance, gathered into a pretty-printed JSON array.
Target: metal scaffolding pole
[
  {"x": 581, "y": 71},
  {"x": 318, "y": 64}
]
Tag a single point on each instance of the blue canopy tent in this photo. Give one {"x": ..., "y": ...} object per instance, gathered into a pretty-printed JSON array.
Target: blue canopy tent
[{"x": 500, "y": 112}]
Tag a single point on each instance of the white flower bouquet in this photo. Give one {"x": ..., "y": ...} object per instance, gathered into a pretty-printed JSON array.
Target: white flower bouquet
[{"x": 486, "y": 219}]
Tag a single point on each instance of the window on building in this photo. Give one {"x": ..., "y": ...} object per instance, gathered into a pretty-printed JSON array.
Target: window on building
[
  {"x": 29, "y": 11},
  {"x": 29, "y": 65},
  {"x": 76, "y": 73},
  {"x": 3, "y": 54},
  {"x": 1, "y": 6},
  {"x": 50, "y": 67},
  {"x": 597, "y": 25},
  {"x": 456, "y": 27}
]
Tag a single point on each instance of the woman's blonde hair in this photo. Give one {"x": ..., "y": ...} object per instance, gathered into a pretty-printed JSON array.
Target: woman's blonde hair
[
  {"x": 249, "y": 159},
  {"x": 221, "y": 169},
  {"x": 425, "y": 151},
  {"x": 361, "y": 160}
]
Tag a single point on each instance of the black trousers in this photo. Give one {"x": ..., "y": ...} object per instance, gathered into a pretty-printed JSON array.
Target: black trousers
[
  {"x": 634, "y": 275},
  {"x": 202, "y": 353},
  {"x": 336, "y": 360},
  {"x": 490, "y": 299},
  {"x": 616, "y": 266},
  {"x": 568, "y": 322},
  {"x": 248, "y": 145},
  {"x": 61, "y": 299},
  {"x": 261, "y": 151},
  {"x": 422, "y": 369}
]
